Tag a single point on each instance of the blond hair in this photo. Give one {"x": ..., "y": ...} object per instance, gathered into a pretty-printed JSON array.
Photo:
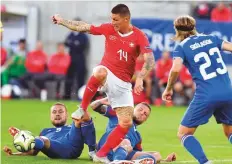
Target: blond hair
[{"x": 185, "y": 26}]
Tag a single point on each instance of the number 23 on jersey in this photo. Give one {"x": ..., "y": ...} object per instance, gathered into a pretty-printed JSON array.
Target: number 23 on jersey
[{"x": 207, "y": 64}]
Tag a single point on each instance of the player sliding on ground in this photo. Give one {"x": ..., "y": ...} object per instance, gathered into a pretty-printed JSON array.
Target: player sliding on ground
[
  {"x": 61, "y": 141},
  {"x": 124, "y": 43},
  {"x": 129, "y": 151},
  {"x": 201, "y": 55}
]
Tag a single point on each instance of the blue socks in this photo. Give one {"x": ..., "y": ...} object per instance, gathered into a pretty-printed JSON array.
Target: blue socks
[
  {"x": 194, "y": 148},
  {"x": 39, "y": 144},
  {"x": 89, "y": 134},
  {"x": 120, "y": 154}
]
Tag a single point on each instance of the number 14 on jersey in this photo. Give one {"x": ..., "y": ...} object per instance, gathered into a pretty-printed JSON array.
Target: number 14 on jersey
[{"x": 122, "y": 54}]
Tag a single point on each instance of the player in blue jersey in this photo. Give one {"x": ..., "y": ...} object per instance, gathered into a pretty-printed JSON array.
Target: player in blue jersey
[
  {"x": 201, "y": 55},
  {"x": 130, "y": 147},
  {"x": 61, "y": 141}
]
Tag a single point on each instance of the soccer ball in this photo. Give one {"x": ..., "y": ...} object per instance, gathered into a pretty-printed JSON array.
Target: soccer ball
[{"x": 24, "y": 141}]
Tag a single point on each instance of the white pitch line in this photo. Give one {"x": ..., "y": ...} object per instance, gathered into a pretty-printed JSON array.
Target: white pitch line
[
  {"x": 216, "y": 160},
  {"x": 210, "y": 146}
]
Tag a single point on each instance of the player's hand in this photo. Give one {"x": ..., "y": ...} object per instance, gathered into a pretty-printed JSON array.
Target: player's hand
[
  {"x": 7, "y": 150},
  {"x": 56, "y": 19},
  {"x": 167, "y": 95},
  {"x": 105, "y": 101},
  {"x": 171, "y": 157},
  {"x": 138, "y": 88}
]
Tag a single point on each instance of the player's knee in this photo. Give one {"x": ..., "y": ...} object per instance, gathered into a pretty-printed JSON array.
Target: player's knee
[
  {"x": 125, "y": 122},
  {"x": 100, "y": 73},
  {"x": 125, "y": 116},
  {"x": 227, "y": 133},
  {"x": 126, "y": 144},
  {"x": 180, "y": 135}
]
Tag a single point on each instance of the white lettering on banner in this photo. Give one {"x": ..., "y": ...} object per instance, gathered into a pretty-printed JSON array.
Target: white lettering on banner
[
  {"x": 156, "y": 42},
  {"x": 159, "y": 41},
  {"x": 168, "y": 41},
  {"x": 163, "y": 42}
]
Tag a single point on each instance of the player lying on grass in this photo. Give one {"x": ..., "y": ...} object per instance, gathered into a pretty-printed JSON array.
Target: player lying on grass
[
  {"x": 130, "y": 148},
  {"x": 61, "y": 141},
  {"x": 201, "y": 55}
]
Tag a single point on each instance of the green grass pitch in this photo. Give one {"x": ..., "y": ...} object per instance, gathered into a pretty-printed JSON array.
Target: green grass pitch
[{"x": 159, "y": 132}]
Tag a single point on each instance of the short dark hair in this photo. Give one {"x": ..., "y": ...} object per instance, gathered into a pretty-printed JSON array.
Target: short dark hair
[
  {"x": 147, "y": 105},
  {"x": 22, "y": 41},
  {"x": 121, "y": 9}
]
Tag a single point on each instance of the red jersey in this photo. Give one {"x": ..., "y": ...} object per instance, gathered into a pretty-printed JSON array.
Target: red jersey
[
  {"x": 162, "y": 69},
  {"x": 121, "y": 50},
  {"x": 59, "y": 64},
  {"x": 185, "y": 74},
  {"x": 3, "y": 56},
  {"x": 36, "y": 61}
]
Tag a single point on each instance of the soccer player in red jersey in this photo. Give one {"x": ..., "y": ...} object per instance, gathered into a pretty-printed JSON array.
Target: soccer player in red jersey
[{"x": 124, "y": 43}]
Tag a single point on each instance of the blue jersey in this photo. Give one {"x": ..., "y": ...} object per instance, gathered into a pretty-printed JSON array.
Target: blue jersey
[
  {"x": 65, "y": 142},
  {"x": 56, "y": 133},
  {"x": 133, "y": 135},
  {"x": 201, "y": 55}
]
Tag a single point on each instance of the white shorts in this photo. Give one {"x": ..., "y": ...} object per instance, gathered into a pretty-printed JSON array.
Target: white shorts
[{"x": 118, "y": 91}]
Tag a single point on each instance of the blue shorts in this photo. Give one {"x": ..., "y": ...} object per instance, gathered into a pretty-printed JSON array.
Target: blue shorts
[
  {"x": 199, "y": 113},
  {"x": 68, "y": 147}
]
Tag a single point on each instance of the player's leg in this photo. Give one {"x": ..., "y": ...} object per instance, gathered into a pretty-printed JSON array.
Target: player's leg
[
  {"x": 89, "y": 135},
  {"x": 74, "y": 136},
  {"x": 59, "y": 148},
  {"x": 121, "y": 151},
  {"x": 223, "y": 116},
  {"x": 96, "y": 80},
  {"x": 68, "y": 147},
  {"x": 228, "y": 132},
  {"x": 198, "y": 113},
  {"x": 125, "y": 115}
]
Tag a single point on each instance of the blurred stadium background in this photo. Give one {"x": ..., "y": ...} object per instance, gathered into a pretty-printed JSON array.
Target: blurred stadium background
[{"x": 27, "y": 26}]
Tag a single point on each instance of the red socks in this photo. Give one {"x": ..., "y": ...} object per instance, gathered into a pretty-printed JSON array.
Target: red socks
[
  {"x": 90, "y": 91},
  {"x": 113, "y": 140}
]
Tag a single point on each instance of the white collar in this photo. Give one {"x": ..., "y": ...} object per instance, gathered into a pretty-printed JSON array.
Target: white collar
[{"x": 125, "y": 35}]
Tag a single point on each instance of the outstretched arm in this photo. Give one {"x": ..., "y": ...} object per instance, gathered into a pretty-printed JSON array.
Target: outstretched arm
[
  {"x": 100, "y": 105},
  {"x": 8, "y": 151},
  {"x": 79, "y": 26}
]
